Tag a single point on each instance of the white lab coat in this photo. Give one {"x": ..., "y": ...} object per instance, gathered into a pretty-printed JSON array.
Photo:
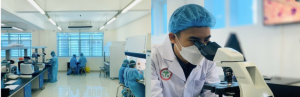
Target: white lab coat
[{"x": 162, "y": 57}]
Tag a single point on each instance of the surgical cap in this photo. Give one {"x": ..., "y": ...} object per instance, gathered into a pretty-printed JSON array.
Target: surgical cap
[
  {"x": 74, "y": 55},
  {"x": 132, "y": 64},
  {"x": 52, "y": 52},
  {"x": 125, "y": 61},
  {"x": 190, "y": 15},
  {"x": 81, "y": 54}
]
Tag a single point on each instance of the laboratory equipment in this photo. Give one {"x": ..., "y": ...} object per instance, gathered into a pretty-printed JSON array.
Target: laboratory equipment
[
  {"x": 137, "y": 46},
  {"x": 250, "y": 81},
  {"x": 28, "y": 68},
  {"x": 116, "y": 57},
  {"x": 232, "y": 42}
]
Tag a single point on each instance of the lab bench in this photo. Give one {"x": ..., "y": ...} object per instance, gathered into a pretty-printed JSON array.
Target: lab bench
[
  {"x": 26, "y": 85},
  {"x": 281, "y": 86}
]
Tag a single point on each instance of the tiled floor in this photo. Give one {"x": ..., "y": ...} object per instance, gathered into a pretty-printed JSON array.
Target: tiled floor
[{"x": 80, "y": 86}]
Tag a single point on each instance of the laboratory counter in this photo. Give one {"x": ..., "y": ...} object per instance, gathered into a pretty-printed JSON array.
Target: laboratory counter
[
  {"x": 280, "y": 86},
  {"x": 25, "y": 84}
]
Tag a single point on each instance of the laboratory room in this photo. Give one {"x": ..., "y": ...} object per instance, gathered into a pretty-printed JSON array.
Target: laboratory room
[
  {"x": 75, "y": 48},
  {"x": 225, "y": 48}
]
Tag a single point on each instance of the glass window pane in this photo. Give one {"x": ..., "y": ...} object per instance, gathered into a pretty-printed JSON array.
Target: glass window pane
[
  {"x": 241, "y": 12},
  {"x": 217, "y": 9},
  {"x": 16, "y": 38},
  {"x": 88, "y": 43}
]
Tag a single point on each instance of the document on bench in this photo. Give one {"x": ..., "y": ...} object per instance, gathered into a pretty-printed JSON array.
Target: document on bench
[
  {"x": 11, "y": 82},
  {"x": 12, "y": 87}
]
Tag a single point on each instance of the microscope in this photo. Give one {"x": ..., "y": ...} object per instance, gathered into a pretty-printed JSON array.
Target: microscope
[{"x": 250, "y": 82}]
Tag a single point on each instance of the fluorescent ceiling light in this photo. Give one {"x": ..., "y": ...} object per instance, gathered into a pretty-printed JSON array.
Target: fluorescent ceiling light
[
  {"x": 130, "y": 5},
  {"x": 34, "y": 4},
  {"x": 113, "y": 19},
  {"x": 59, "y": 28},
  {"x": 101, "y": 28},
  {"x": 51, "y": 21},
  {"x": 2, "y": 24},
  {"x": 17, "y": 28}
]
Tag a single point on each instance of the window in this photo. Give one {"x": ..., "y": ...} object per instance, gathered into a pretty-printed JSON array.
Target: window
[
  {"x": 159, "y": 21},
  {"x": 241, "y": 12},
  {"x": 217, "y": 9},
  {"x": 16, "y": 38},
  {"x": 90, "y": 44}
]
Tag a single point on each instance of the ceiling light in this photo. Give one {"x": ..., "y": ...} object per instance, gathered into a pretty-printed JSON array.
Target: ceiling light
[
  {"x": 130, "y": 5},
  {"x": 17, "y": 28},
  {"x": 101, "y": 27},
  {"x": 113, "y": 19},
  {"x": 2, "y": 24},
  {"x": 51, "y": 21},
  {"x": 59, "y": 28},
  {"x": 35, "y": 5}
]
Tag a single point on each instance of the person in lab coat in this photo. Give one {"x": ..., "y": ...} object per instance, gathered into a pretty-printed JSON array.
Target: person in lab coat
[
  {"x": 121, "y": 71},
  {"x": 133, "y": 76},
  {"x": 178, "y": 67},
  {"x": 73, "y": 64},
  {"x": 54, "y": 67}
]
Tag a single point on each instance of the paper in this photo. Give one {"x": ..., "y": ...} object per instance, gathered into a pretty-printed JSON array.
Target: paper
[
  {"x": 12, "y": 87},
  {"x": 11, "y": 82}
]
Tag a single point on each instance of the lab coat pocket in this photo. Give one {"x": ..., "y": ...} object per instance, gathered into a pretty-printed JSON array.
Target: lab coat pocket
[{"x": 197, "y": 87}]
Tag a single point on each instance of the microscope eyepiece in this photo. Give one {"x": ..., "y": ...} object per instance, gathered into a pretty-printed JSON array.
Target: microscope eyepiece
[{"x": 209, "y": 50}]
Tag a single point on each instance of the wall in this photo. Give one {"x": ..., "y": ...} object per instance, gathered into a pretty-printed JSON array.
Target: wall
[
  {"x": 137, "y": 27},
  {"x": 274, "y": 49},
  {"x": 109, "y": 35},
  {"x": 290, "y": 53}
]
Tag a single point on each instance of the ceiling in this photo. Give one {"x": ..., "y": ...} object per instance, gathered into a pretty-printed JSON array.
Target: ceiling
[
  {"x": 85, "y": 16},
  {"x": 30, "y": 19}
]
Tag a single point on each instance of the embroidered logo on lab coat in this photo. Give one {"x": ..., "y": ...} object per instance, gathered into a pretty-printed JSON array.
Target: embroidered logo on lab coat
[{"x": 165, "y": 74}]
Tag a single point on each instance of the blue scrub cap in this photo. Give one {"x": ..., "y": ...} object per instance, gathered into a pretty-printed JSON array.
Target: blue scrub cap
[
  {"x": 74, "y": 55},
  {"x": 126, "y": 61},
  {"x": 190, "y": 15},
  {"x": 132, "y": 63},
  {"x": 81, "y": 54},
  {"x": 52, "y": 52}
]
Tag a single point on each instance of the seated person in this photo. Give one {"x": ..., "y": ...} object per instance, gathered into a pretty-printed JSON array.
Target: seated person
[
  {"x": 133, "y": 76},
  {"x": 121, "y": 71},
  {"x": 73, "y": 65},
  {"x": 81, "y": 61}
]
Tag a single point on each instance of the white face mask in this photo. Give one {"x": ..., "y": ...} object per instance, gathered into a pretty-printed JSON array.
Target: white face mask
[{"x": 191, "y": 53}]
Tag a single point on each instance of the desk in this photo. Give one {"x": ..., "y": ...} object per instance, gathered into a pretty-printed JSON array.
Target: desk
[
  {"x": 25, "y": 84},
  {"x": 284, "y": 87}
]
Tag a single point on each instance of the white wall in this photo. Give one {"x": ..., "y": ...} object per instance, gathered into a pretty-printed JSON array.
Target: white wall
[
  {"x": 109, "y": 35},
  {"x": 274, "y": 49},
  {"x": 137, "y": 27}
]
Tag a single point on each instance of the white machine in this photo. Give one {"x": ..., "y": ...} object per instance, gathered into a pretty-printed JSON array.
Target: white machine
[
  {"x": 250, "y": 81},
  {"x": 116, "y": 57},
  {"x": 26, "y": 68}
]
